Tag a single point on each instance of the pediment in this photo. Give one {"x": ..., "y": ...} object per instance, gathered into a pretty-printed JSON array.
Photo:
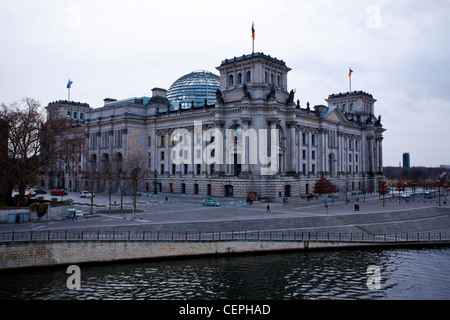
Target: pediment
[{"x": 334, "y": 114}]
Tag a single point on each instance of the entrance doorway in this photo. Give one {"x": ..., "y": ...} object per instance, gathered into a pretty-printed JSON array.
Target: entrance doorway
[{"x": 228, "y": 191}]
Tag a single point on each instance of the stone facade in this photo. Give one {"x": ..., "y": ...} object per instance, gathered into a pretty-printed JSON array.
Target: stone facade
[{"x": 256, "y": 140}]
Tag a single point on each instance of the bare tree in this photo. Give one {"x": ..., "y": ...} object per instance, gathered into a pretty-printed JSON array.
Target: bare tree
[
  {"x": 33, "y": 142},
  {"x": 93, "y": 181},
  {"x": 136, "y": 166}
]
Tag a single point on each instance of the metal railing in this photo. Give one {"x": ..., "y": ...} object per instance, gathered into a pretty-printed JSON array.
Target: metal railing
[{"x": 115, "y": 235}]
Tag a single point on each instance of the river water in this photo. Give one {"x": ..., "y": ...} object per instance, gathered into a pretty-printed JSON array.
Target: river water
[{"x": 404, "y": 273}]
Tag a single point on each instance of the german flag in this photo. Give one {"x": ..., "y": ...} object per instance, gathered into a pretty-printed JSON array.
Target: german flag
[
  {"x": 253, "y": 31},
  {"x": 350, "y": 71}
]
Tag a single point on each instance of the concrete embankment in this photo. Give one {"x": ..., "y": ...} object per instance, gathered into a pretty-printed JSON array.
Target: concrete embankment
[
  {"x": 18, "y": 254},
  {"x": 44, "y": 254}
]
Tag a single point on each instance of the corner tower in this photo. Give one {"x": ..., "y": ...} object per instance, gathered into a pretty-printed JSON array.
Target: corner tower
[{"x": 256, "y": 76}]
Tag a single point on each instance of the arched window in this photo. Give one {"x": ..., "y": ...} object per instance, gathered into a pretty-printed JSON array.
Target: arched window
[
  {"x": 239, "y": 78},
  {"x": 265, "y": 77},
  {"x": 230, "y": 80},
  {"x": 344, "y": 107},
  {"x": 237, "y": 133},
  {"x": 249, "y": 76},
  {"x": 272, "y": 81},
  {"x": 278, "y": 81},
  {"x": 352, "y": 107}
]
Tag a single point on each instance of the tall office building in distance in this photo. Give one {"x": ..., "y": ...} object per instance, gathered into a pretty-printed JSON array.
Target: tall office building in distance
[{"x": 406, "y": 160}]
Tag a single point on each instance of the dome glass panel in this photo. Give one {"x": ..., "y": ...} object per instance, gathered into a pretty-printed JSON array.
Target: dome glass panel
[{"x": 195, "y": 86}]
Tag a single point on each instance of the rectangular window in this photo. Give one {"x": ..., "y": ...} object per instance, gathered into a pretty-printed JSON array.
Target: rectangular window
[
  {"x": 117, "y": 139},
  {"x": 105, "y": 140},
  {"x": 199, "y": 168},
  {"x": 304, "y": 169},
  {"x": 149, "y": 159},
  {"x": 313, "y": 155},
  {"x": 313, "y": 139},
  {"x": 149, "y": 142},
  {"x": 304, "y": 154},
  {"x": 162, "y": 155},
  {"x": 162, "y": 169},
  {"x": 174, "y": 168},
  {"x": 93, "y": 140},
  {"x": 313, "y": 169},
  {"x": 162, "y": 141},
  {"x": 185, "y": 168},
  {"x": 303, "y": 138}
]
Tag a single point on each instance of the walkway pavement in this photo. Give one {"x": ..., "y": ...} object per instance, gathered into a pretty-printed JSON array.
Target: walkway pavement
[{"x": 188, "y": 214}]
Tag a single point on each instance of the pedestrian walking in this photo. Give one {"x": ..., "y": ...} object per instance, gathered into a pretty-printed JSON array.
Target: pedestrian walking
[{"x": 268, "y": 208}]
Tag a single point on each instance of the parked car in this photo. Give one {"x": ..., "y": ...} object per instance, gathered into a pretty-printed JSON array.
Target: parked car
[
  {"x": 210, "y": 202},
  {"x": 406, "y": 195},
  {"x": 85, "y": 194},
  {"x": 58, "y": 193},
  {"x": 40, "y": 191},
  {"x": 31, "y": 194}
]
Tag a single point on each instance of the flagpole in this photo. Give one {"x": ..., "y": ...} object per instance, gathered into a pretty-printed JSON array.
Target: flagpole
[{"x": 253, "y": 37}]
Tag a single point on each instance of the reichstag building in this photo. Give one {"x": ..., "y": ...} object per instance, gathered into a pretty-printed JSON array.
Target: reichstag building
[{"x": 242, "y": 134}]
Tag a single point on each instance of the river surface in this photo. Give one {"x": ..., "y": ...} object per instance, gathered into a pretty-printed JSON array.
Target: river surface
[{"x": 403, "y": 273}]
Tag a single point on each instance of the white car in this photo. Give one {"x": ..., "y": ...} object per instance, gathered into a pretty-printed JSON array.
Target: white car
[
  {"x": 85, "y": 194},
  {"x": 406, "y": 195}
]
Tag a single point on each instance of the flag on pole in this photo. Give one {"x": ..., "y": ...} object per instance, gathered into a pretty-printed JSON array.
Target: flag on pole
[
  {"x": 253, "y": 31},
  {"x": 350, "y": 71},
  {"x": 69, "y": 84}
]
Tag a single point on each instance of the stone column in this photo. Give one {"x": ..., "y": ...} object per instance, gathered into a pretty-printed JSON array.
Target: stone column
[
  {"x": 292, "y": 150},
  {"x": 245, "y": 160}
]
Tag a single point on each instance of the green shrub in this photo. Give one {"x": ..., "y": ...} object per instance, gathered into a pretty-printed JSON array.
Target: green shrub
[{"x": 39, "y": 208}]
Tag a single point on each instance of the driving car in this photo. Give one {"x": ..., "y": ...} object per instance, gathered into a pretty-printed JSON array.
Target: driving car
[
  {"x": 210, "y": 202},
  {"x": 58, "y": 193},
  {"x": 85, "y": 194},
  {"x": 40, "y": 191}
]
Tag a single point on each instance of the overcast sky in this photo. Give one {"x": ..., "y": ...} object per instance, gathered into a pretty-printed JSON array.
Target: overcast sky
[{"x": 399, "y": 51}]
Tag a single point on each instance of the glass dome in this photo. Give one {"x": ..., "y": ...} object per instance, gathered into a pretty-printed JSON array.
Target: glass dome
[{"x": 195, "y": 86}]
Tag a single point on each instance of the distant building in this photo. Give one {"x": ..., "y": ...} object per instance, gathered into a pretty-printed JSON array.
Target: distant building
[{"x": 406, "y": 160}]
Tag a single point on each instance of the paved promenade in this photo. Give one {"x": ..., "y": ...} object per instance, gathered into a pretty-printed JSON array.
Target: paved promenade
[{"x": 188, "y": 214}]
